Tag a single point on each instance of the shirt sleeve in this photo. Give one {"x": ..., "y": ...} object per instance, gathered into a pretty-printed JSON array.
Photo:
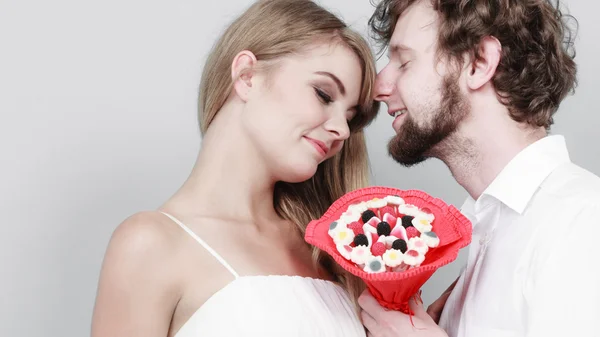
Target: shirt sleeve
[{"x": 565, "y": 296}]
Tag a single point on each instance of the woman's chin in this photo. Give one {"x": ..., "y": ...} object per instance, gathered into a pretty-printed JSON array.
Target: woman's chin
[{"x": 299, "y": 173}]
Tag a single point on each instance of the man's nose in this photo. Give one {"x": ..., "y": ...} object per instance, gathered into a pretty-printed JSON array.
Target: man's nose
[{"x": 384, "y": 87}]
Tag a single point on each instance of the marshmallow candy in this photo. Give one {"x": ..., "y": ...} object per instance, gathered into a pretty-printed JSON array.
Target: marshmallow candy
[
  {"x": 431, "y": 239},
  {"x": 345, "y": 251},
  {"x": 334, "y": 227},
  {"x": 369, "y": 229},
  {"x": 422, "y": 225},
  {"x": 400, "y": 232},
  {"x": 418, "y": 244},
  {"x": 360, "y": 254},
  {"x": 408, "y": 209},
  {"x": 350, "y": 216},
  {"x": 393, "y": 258},
  {"x": 376, "y": 203},
  {"x": 374, "y": 221},
  {"x": 389, "y": 240},
  {"x": 343, "y": 236},
  {"x": 358, "y": 208},
  {"x": 375, "y": 265},
  {"x": 427, "y": 214},
  {"x": 372, "y": 238},
  {"x": 394, "y": 200},
  {"x": 391, "y": 219},
  {"x": 413, "y": 258},
  {"x": 383, "y": 239}
]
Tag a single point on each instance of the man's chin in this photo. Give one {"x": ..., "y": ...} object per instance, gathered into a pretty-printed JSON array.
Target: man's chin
[
  {"x": 408, "y": 162},
  {"x": 399, "y": 153}
]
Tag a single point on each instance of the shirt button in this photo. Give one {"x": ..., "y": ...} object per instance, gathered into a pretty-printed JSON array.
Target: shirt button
[{"x": 483, "y": 240}]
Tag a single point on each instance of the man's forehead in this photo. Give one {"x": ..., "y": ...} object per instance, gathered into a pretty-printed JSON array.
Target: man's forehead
[{"x": 418, "y": 22}]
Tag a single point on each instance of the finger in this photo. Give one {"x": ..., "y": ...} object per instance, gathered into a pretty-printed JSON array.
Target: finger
[
  {"x": 434, "y": 312},
  {"x": 416, "y": 306},
  {"x": 369, "y": 304},
  {"x": 435, "y": 309},
  {"x": 368, "y": 321}
]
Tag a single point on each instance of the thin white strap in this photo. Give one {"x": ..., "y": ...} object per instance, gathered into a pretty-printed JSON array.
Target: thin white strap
[{"x": 204, "y": 244}]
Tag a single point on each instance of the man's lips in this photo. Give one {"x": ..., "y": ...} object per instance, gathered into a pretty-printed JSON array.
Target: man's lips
[{"x": 398, "y": 115}]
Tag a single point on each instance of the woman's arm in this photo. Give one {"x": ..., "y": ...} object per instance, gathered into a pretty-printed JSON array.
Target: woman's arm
[{"x": 138, "y": 289}]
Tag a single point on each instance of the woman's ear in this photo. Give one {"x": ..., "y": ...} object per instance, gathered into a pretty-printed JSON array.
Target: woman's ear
[
  {"x": 242, "y": 69},
  {"x": 482, "y": 70}
]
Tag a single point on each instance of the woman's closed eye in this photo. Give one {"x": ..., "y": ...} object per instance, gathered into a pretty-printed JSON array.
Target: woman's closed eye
[{"x": 323, "y": 96}]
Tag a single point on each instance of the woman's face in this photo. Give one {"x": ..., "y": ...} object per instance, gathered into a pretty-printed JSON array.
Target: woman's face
[{"x": 297, "y": 115}]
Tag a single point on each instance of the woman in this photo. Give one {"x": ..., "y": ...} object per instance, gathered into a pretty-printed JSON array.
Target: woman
[{"x": 284, "y": 96}]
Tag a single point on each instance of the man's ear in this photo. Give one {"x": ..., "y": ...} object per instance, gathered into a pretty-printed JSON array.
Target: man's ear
[
  {"x": 242, "y": 69},
  {"x": 482, "y": 70}
]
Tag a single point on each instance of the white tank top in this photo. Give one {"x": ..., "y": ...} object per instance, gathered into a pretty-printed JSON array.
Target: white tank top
[{"x": 272, "y": 305}]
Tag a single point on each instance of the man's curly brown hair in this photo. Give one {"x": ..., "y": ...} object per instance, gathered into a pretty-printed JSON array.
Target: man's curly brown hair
[{"x": 536, "y": 69}]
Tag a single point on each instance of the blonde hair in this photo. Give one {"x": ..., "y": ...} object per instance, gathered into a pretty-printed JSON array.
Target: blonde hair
[{"x": 272, "y": 29}]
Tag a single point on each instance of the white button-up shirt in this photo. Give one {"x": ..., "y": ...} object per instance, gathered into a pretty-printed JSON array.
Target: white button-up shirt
[{"x": 533, "y": 267}]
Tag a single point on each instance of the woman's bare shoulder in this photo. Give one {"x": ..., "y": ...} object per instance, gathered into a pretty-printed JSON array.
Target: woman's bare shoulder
[
  {"x": 139, "y": 285},
  {"x": 143, "y": 235}
]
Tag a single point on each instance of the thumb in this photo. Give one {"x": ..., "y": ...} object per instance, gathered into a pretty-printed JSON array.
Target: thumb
[
  {"x": 416, "y": 306},
  {"x": 435, "y": 309}
]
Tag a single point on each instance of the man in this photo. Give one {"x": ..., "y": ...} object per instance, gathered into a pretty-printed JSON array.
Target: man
[{"x": 475, "y": 83}]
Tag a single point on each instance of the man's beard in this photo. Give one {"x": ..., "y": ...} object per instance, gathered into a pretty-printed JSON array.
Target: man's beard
[{"x": 413, "y": 144}]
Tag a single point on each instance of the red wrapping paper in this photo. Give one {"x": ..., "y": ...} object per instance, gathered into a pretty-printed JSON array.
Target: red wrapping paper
[{"x": 394, "y": 289}]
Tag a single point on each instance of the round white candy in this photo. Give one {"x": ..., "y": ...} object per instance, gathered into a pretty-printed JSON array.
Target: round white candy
[
  {"x": 360, "y": 254},
  {"x": 358, "y": 208},
  {"x": 375, "y": 265},
  {"x": 393, "y": 258},
  {"x": 413, "y": 258},
  {"x": 422, "y": 225},
  {"x": 394, "y": 200},
  {"x": 350, "y": 216},
  {"x": 431, "y": 239},
  {"x": 427, "y": 216},
  {"x": 335, "y": 227},
  {"x": 418, "y": 244},
  {"x": 344, "y": 236},
  {"x": 408, "y": 209},
  {"x": 376, "y": 203},
  {"x": 345, "y": 251}
]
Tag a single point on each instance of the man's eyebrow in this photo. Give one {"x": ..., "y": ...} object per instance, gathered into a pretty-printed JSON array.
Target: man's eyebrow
[
  {"x": 337, "y": 81},
  {"x": 396, "y": 48}
]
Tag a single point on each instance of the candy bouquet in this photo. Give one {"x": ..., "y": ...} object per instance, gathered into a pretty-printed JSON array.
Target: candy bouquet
[{"x": 394, "y": 240}]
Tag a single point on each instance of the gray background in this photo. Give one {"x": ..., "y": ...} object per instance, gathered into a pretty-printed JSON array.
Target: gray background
[{"x": 98, "y": 121}]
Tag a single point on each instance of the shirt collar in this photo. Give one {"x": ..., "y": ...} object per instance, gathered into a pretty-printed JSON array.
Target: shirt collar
[{"x": 522, "y": 176}]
